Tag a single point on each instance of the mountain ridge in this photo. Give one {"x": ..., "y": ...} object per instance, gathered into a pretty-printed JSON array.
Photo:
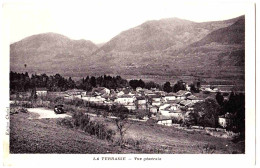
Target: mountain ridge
[{"x": 165, "y": 47}]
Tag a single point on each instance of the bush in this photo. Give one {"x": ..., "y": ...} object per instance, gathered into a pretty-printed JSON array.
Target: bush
[
  {"x": 135, "y": 143},
  {"x": 208, "y": 149},
  {"x": 96, "y": 128},
  {"x": 206, "y": 92},
  {"x": 177, "y": 121},
  {"x": 67, "y": 122},
  {"x": 15, "y": 110},
  {"x": 151, "y": 121},
  {"x": 140, "y": 114}
]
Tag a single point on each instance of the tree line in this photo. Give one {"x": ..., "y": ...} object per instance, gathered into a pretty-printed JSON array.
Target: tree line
[
  {"x": 22, "y": 82},
  {"x": 180, "y": 85}
]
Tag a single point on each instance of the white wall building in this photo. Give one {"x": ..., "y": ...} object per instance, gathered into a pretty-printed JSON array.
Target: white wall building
[{"x": 125, "y": 100}]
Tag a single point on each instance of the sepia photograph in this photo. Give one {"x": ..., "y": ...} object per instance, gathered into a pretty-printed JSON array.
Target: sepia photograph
[{"x": 114, "y": 77}]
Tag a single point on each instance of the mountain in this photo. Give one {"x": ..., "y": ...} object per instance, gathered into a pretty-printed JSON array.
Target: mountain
[
  {"x": 49, "y": 50},
  {"x": 234, "y": 34},
  {"x": 162, "y": 34},
  {"x": 211, "y": 50},
  {"x": 159, "y": 50}
]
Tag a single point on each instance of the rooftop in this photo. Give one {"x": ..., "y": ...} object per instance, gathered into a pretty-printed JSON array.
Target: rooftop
[
  {"x": 192, "y": 97},
  {"x": 41, "y": 89},
  {"x": 125, "y": 96},
  {"x": 75, "y": 90}
]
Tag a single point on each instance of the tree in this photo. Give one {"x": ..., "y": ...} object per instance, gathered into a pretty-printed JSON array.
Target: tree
[
  {"x": 220, "y": 99},
  {"x": 167, "y": 87},
  {"x": 150, "y": 85},
  {"x": 141, "y": 83},
  {"x": 207, "y": 112},
  {"x": 236, "y": 106},
  {"x": 134, "y": 83},
  {"x": 121, "y": 121},
  {"x": 71, "y": 83},
  {"x": 93, "y": 81},
  {"x": 179, "y": 86},
  {"x": 193, "y": 89}
]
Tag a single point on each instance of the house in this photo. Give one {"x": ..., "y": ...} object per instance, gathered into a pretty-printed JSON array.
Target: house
[
  {"x": 133, "y": 93},
  {"x": 130, "y": 107},
  {"x": 155, "y": 99},
  {"x": 164, "y": 109},
  {"x": 108, "y": 102},
  {"x": 72, "y": 96},
  {"x": 170, "y": 96},
  {"x": 125, "y": 99},
  {"x": 172, "y": 112},
  {"x": 215, "y": 90},
  {"x": 76, "y": 92},
  {"x": 120, "y": 93},
  {"x": 150, "y": 93},
  {"x": 101, "y": 91},
  {"x": 160, "y": 93},
  {"x": 182, "y": 94},
  {"x": 174, "y": 106},
  {"x": 138, "y": 89},
  {"x": 165, "y": 112},
  {"x": 185, "y": 103},
  {"x": 141, "y": 100},
  {"x": 177, "y": 114},
  {"x": 94, "y": 99},
  {"x": 225, "y": 120},
  {"x": 41, "y": 91},
  {"x": 194, "y": 99},
  {"x": 163, "y": 120},
  {"x": 164, "y": 106},
  {"x": 190, "y": 107},
  {"x": 154, "y": 109}
]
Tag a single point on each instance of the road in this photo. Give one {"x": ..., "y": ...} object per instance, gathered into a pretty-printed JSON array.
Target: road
[{"x": 46, "y": 113}]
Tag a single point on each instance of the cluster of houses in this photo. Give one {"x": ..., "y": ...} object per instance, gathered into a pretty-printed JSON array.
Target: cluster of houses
[{"x": 164, "y": 107}]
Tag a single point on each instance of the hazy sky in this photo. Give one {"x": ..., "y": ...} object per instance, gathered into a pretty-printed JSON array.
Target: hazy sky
[{"x": 101, "y": 20}]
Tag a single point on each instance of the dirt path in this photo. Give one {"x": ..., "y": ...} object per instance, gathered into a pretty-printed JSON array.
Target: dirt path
[{"x": 46, "y": 113}]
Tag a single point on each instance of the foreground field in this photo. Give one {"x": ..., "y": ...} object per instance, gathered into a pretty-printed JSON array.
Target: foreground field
[{"x": 46, "y": 136}]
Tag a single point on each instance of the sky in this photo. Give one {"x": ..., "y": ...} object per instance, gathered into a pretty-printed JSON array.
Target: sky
[{"x": 101, "y": 20}]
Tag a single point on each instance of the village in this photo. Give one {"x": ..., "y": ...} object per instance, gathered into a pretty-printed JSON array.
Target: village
[{"x": 166, "y": 108}]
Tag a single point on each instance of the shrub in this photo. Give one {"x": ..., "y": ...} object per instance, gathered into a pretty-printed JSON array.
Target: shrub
[
  {"x": 15, "y": 110},
  {"x": 208, "y": 149},
  {"x": 135, "y": 143},
  {"x": 140, "y": 114},
  {"x": 151, "y": 121},
  {"x": 96, "y": 128},
  {"x": 177, "y": 121},
  {"x": 27, "y": 105},
  {"x": 206, "y": 92},
  {"x": 67, "y": 122}
]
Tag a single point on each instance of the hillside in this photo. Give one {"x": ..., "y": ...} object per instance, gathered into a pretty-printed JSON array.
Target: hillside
[
  {"x": 234, "y": 34},
  {"x": 161, "y": 34},
  {"x": 48, "y": 50},
  {"x": 158, "y": 50},
  {"x": 30, "y": 135}
]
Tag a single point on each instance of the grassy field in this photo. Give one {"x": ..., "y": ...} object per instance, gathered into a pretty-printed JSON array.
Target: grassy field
[{"x": 46, "y": 136}]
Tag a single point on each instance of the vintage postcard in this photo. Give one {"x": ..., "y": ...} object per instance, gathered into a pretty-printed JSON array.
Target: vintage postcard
[{"x": 137, "y": 83}]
